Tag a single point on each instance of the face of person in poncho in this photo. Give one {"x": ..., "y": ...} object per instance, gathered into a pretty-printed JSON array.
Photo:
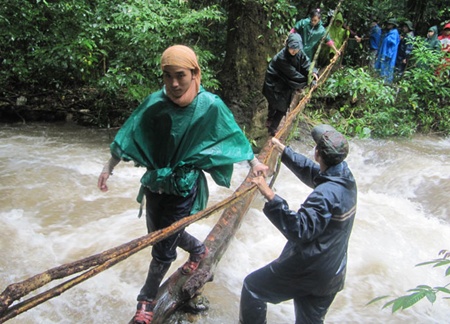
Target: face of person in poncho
[
  {"x": 315, "y": 20},
  {"x": 177, "y": 79},
  {"x": 293, "y": 51}
]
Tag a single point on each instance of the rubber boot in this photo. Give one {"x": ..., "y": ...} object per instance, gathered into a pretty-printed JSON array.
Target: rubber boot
[{"x": 156, "y": 272}]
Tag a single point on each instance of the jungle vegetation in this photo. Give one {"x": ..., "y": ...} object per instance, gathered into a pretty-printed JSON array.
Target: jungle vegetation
[{"x": 98, "y": 59}]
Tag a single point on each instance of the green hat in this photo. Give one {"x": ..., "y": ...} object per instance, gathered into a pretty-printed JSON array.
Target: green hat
[
  {"x": 409, "y": 24},
  {"x": 392, "y": 21},
  {"x": 332, "y": 145}
]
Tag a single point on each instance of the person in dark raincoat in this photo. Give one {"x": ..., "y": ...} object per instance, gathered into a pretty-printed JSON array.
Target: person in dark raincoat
[
  {"x": 387, "y": 54},
  {"x": 177, "y": 133},
  {"x": 311, "y": 268},
  {"x": 287, "y": 72},
  {"x": 405, "y": 47},
  {"x": 311, "y": 30}
]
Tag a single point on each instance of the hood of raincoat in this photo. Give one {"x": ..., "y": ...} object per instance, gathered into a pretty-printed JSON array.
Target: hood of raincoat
[
  {"x": 338, "y": 17},
  {"x": 337, "y": 33},
  {"x": 447, "y": 26},
  {"x": 294, "y": 41},
  {"x": 433, "y": 41}
]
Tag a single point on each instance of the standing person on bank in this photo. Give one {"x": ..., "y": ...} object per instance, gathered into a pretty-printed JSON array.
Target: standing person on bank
[
  {"x": 405, "y": 47},
  {"x": 444, "y": 38},
  {"x": 311, "y": 30},
  {"x": 287, "y": 72},
  {"x": 311, "y": 268},
  {"x": 387, "y": 54},
  {"x": 432, "y": 40},
  {"x": 177, "y": 133},
  {"x": 374, "y": 41}
]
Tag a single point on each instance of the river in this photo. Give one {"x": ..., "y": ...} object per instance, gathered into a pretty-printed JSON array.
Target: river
[{"x": 52, "y": 213}]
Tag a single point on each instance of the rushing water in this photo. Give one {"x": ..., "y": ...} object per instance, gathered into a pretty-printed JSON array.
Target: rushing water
[{"x": 52, "y": 213}]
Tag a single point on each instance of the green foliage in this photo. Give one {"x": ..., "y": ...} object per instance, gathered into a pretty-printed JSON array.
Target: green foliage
[
  {"x": 113, "y": 46},
  {"x": 282, "y": 16},
  {"x": 421, "y": 291},
  {"x": 424, "y": 89},
  {"x": 359, "y": 101},
  {"x": 365, "y": 106}
]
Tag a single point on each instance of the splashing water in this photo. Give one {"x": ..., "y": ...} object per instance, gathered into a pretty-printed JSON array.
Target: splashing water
[{"x": 52, "y": 213}]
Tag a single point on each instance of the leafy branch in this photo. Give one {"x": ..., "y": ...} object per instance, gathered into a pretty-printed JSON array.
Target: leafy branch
[{"x": 421, "y": 291}]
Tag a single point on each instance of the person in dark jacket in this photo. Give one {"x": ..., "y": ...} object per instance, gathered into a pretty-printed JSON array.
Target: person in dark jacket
[
  {"x": 374, "y": 40},
  {"x": 287, "y": 72},
  {"x": 311, "y": 268},
  {"x": 405, "y": 47}
]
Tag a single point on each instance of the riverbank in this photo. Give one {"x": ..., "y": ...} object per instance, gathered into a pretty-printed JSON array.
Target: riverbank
[{"x": 83, "y": 106}]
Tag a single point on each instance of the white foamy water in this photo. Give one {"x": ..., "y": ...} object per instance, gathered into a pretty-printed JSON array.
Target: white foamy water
[{"x": 52, "y": 213}]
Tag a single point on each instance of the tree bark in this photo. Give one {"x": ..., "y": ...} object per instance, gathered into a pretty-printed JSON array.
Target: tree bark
[{"x": 250, "y": 45}]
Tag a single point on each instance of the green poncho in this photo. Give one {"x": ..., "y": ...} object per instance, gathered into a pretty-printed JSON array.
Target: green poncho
[
  {"x": 311, "y": 36},
  {"x": 338, "y": 33},
  {"x": 175, "y": 144}
]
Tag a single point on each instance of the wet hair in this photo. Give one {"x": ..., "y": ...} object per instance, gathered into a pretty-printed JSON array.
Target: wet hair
[{"x": 315, "y": 13}]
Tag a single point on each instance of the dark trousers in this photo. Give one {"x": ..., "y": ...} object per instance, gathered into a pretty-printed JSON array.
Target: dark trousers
[
  {"x": 274, "y": 118},
  {"x": 263, "y": 286},
  {"x": 163, "y": 210}
]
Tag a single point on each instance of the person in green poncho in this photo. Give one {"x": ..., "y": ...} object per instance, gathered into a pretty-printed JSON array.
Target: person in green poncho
[
  {"x": 178, "y": 133},
  {"x": 338, "y": 34},
  {"x": 432, "y": 40},
  {"x": 311, "y": 30}
]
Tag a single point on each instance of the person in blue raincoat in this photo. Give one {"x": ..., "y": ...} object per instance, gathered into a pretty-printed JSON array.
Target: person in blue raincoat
[
  {"x": 312, "y": 266},
  {"x": 177, "y": 134},
  {"x": 387, "y": 54}
]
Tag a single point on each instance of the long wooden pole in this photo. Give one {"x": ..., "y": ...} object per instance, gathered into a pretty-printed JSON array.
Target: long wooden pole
[{"x": 100, "y": 261}]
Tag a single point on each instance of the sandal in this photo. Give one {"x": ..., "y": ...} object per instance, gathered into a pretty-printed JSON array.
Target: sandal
[
  {"x": 144, "y": 312},
  {"x": 194, "y": 261}
]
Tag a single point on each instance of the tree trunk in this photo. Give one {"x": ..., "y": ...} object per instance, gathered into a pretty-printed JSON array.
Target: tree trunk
[{"x": 250, "y": 45}]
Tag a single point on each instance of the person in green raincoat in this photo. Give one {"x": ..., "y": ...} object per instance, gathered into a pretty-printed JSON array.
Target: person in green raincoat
[
  {"x": 432, "y": 40},
  {"x": 311, "y": 30},
  {"x": 177, "y": 134},
  {"x": 338, "y": 34}
]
